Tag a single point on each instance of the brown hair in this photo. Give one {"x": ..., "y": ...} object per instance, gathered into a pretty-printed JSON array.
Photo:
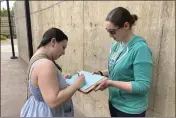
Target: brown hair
[
  {"x": 52, "y": 33},
  {"x": 120, "y": 15}
]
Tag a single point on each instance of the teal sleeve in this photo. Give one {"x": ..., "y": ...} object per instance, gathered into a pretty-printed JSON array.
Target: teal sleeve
[{"x": 142, "y": 67}]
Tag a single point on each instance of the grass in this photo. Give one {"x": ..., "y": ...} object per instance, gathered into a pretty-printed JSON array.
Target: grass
[{"x": 3, "y": 37}]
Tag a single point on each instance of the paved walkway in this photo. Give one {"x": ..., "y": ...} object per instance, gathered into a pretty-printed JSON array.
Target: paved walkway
[{"x": 13, "y": 84}]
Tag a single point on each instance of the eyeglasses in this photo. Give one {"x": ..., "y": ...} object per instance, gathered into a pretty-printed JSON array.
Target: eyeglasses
[{"x": 112, "y": 31}]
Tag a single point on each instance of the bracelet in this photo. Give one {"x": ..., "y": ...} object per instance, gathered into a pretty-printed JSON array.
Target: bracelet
[{"x": 101, "y": 73}]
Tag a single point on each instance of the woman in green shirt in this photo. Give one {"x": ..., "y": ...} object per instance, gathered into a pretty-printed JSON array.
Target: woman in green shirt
[{"x": 129, "y": 70}]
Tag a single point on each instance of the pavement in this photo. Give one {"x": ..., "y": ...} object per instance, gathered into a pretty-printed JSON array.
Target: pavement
[{"x": 13, "y": 82}]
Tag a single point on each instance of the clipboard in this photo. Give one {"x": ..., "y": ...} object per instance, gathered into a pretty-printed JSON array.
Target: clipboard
[{"x": 90, "y": 81}]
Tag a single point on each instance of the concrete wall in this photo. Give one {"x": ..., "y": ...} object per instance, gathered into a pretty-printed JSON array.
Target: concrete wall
[
  {"x": 89, "y": 44},
  {"x": 21, "y": 32}
]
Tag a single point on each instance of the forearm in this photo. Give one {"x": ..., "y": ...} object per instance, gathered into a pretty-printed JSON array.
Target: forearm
[
  {"x": 65, "y": 94},
  {"x": 126, "y": 86}
]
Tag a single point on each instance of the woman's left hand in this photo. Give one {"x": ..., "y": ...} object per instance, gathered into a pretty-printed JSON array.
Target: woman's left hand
[{"x": 102, "y": 85}]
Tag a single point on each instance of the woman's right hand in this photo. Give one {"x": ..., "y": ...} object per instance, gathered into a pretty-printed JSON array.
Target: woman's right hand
[{"x": 80, "y": 81}]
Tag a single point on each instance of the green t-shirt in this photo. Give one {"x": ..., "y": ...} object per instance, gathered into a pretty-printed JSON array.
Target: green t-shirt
[{"x": 130, "y": 63}]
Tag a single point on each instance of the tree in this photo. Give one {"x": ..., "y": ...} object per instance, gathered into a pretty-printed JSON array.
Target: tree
[{"x": 5, "y": 13}]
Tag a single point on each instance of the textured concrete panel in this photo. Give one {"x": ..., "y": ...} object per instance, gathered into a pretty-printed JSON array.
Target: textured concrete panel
[
  {"x": 23, "y": 49},
  {"x": 20, "y": 22},
  {"x": 96, "y": 40},
  {"x": 166, "y": 74},
  {"x": 20, "y": 9},
  {"x": 73, "y": 27},
  {"x": 92, "y": 105},
  {"x": 72, "y": 61},
  {"x": 34, "y": 6}
]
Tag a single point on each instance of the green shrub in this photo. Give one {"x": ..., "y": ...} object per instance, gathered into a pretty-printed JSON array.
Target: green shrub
[{"x": 3, "y": 37}]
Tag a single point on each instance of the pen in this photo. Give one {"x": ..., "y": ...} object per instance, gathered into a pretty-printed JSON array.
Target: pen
[{"x": 78, "y": 73}]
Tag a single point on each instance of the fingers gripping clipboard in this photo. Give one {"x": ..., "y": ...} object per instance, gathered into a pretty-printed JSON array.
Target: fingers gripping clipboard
[{"x": 90, "y": 81}]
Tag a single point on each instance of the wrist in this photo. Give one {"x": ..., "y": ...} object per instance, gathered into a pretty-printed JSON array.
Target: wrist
[
  {"x": 110, "y": 82},
  {"x": 75, "y": 86},
  {"x": 101, "y": 73}
]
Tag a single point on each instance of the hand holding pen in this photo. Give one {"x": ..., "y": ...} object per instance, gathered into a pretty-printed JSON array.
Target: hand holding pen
[
  {"x": 78, "y": 73},
  {"x": 80, "y": 80},
  {"x": 69, "y": 75}
]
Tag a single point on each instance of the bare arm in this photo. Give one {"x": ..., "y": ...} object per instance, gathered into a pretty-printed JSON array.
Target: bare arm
[
  {"x": 103, "y": 84},
  {"x": 126, "y": 86},
  {"x": 48, "y": 84}
]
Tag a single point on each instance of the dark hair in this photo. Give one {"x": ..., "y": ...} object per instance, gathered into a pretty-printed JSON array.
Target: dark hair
[
  {"x": 52, "y": 33},
  {"x": 120, "y": 15}
]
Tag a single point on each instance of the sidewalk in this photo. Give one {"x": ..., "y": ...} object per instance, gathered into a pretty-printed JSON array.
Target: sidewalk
[{"x": 13, "y": 84}]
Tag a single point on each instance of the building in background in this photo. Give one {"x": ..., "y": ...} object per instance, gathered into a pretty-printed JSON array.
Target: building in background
[
  {"x": 5, "y": 27},
  {"x": 4, "y": 19}
]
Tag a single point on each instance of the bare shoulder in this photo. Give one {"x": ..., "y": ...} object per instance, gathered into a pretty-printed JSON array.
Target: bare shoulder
[
  {"x": 44, "y": 70},
  {"x": 45, "y": 65}
]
